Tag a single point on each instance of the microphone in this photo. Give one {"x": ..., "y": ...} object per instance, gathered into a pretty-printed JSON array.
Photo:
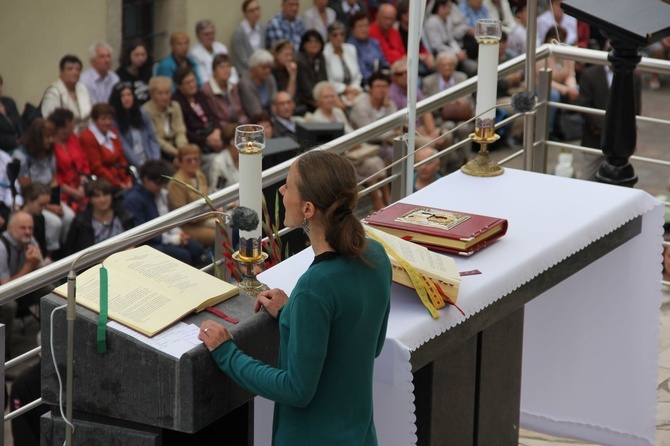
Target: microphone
[
  {"x": 242, "y": 218},
  {"x": 523, "y": 102}
]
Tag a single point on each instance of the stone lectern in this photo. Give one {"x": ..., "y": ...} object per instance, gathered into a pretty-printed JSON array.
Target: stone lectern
[{"x": 137, "y": 395}]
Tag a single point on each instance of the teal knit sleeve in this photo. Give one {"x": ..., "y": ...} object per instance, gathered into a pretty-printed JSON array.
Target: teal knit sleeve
[
  {"x": 304, "y": 356},
  {"x": 382, "y": 331}
]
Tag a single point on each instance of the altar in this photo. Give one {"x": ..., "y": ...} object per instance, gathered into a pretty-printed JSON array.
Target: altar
[{"x": 560, "y": 332}]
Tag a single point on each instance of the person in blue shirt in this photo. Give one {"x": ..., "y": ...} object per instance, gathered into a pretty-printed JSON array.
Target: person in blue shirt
[
  {"x": 334, "y": 324},
  {"x": 178, "y": 57},
  {"x": 285, "y": 25},
  {"x": 370, "y": 56},
  {"x": 473, "y": 11}
]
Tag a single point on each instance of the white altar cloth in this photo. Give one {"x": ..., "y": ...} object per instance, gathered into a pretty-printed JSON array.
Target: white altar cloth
[{"x": 590, "y": 343}]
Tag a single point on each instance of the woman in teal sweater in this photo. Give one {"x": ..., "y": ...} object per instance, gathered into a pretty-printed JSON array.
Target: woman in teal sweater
[{"x": 334, "y": 324}]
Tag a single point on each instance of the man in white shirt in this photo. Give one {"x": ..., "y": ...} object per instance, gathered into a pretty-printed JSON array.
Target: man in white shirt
[
  {"x": 313, "y": 18},
  {"x": 555, "y": 16},
  {"x": 99, "y": 77},
  {"x": 204, "y": 50},
  {"x": 19, "y": 255}
]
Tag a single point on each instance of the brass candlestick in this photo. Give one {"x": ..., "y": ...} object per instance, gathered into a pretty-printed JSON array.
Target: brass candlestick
[
  {"x": 487, "y": 33},
  {"x": 482, "y": 165},
  {"x": 250, "y": 141},
  {"x": 249, "y": 255}
]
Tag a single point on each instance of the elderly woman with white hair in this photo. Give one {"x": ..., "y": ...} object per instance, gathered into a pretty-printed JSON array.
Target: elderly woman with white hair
[
  {"x": 166, "y": 117},
  {"x": 342, "y": 64},
  {"x": 364, "y": 157},
  {"x": 257, "y": 87},
  {"x": 327, "y": 110}
]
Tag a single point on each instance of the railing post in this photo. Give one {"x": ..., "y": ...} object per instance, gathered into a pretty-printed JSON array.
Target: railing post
[
  {"x": 529, "y": 140},
  {"x": 399, "y": 187},
  {"x": 529, "y": 118},
  {"x": 542, "y": 121},
  {"x": 2, "y": 377}
]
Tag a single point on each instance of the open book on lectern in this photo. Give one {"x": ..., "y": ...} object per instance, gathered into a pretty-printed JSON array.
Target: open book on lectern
[
  {"x": 436, "y": 267},
  {"x": 149, "y": 290}
]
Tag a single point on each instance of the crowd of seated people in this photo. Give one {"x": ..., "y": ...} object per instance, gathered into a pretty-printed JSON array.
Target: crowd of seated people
[{"x": 340, "y": 61}]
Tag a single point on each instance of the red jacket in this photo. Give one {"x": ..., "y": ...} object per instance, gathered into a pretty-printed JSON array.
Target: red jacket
[
  {"x": 71, "y": 165},
  {"x": 105, "y": 163},
  {"x": 391, "y": 43}
]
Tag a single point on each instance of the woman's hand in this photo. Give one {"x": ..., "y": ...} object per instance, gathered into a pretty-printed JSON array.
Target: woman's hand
[
  {"x": 33, "y": 255},
  {"x": 351, "y": 93},
  {"x": 291, "y": 67},
  {"x": 573, "y": 94},
  {"x": 272, "y": 300},
  {"x": 183, "y": 238},
  {"x": 213, "y": 334},
  {"x": 78, "y": 194}
]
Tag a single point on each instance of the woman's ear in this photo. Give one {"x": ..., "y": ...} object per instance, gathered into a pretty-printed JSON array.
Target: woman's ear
[{"x": 308, "y": 209}]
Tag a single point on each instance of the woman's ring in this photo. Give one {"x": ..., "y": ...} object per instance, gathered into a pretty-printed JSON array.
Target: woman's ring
[{"x": 205, "y": 330}]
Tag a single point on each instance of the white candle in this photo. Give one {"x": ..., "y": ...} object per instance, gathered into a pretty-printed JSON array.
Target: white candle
[
  {"x": 487, "y": 76},
  {"x": 488, "y": 35},
  {"x": 250, "y": 184},
  {"x": 250, "y": 142}
]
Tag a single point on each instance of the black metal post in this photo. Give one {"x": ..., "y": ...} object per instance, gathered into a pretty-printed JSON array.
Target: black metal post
[{"x": 620, "y": 133}]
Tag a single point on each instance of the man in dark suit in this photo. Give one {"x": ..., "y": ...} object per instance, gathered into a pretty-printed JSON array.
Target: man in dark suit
[
  {"x": 283, "y": 122},
  {"x": 594, "y": 86}
]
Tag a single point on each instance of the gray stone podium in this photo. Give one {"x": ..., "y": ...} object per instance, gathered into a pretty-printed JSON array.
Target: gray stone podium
[{"x": 137, "y": 395}]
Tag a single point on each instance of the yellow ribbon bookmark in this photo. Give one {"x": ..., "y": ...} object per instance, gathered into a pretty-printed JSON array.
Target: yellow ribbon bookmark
[{"x": 425, "y": 288}]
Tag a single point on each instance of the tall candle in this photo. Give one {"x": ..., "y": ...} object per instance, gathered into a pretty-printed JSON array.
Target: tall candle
[
  {"x": 487, "y": 33},
  {"x": 250, "y": 142}
]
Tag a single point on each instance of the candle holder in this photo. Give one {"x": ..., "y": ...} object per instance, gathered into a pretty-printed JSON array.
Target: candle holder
[
  {"x": 482, "y": 165},
  {"x": 487, "y": 33},
  {"x": 250, "y": 142},
  {"x": 250, "y": 284}
]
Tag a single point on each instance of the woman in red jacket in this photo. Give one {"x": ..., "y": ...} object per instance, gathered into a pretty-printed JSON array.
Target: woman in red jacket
[
  {"x": 102, "y": 145},
  {"x": 72, "y": 167}
]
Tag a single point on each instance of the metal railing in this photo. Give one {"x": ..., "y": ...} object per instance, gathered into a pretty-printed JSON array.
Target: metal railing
[{"x": 58, "y": 270}]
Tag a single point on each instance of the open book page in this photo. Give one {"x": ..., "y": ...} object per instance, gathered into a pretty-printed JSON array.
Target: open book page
[
  {"x": 149, "y": 290},
  {"x": 170, "y": 276},
  {"x": 426, "y": 262}
]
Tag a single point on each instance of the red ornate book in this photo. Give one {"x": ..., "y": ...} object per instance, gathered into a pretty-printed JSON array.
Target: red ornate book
[{"x": 439, "y": 229}]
